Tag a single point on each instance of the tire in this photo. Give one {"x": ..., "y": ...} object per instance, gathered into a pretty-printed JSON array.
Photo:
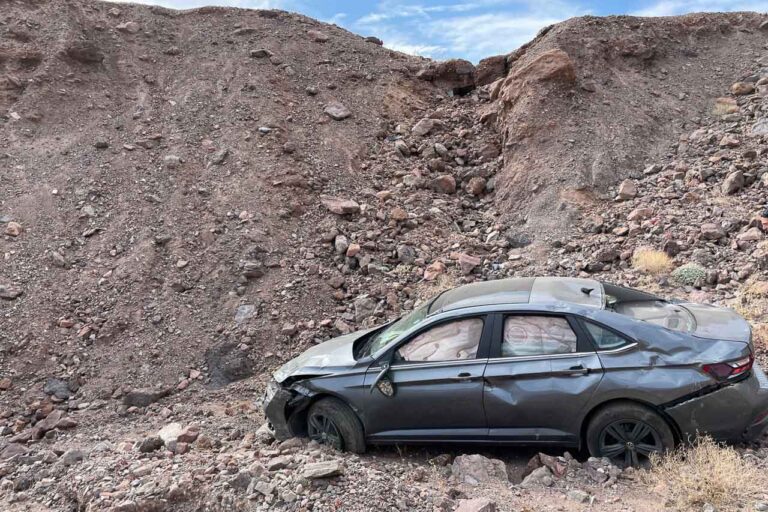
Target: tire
[
  {"x": 637, "y": 429},
  {"x": 335, "y": 417}
]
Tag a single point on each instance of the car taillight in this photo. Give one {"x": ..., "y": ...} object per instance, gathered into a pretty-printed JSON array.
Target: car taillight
[{"x": 722, "y": 371}]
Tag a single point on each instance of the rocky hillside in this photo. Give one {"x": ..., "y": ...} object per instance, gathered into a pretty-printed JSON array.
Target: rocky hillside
[{"x": 188, "y": 199}]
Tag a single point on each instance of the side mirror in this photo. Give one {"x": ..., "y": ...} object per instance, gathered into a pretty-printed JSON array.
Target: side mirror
[{"x": 382, "y": 382}]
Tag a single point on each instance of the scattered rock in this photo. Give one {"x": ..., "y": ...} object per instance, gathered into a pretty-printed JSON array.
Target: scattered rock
[
  {"x": 324, "y": 469},
  {"x": 476, "y": 505},
  {"x": 131, "y": 27},
  {"x": 337, "y": 111},
  {"x": 733, "y": 182},
  {"x": 340, "y": 206},
  {"x": 58, "y": 388},
  {"x": 13, "y": 229},
  {"x": 150, "y": 444},
  {"x": 476, "y": 469},
  {"x": 627, "y": 190},
  {"x": 144, "y": 397},
  {"x": 539, "y": 477},
  {"x": 8, "y": 292},
  {"x": 445, "y": 184},
  {"x": 742, "y": 88}
]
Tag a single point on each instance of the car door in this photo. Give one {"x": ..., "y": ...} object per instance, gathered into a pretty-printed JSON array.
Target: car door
[
  {"x": 436, "y": 376},
  {"x": 541, "y": 373}
]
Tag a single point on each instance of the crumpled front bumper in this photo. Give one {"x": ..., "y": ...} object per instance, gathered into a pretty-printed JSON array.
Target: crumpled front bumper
[
  {"x": 281, "y": 407},
  {"x": 274, "y": 404},
  {"x": 736, "y": 412}
]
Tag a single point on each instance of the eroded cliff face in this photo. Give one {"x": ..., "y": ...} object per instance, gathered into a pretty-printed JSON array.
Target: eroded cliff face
[{"x": 593, "y": 101}]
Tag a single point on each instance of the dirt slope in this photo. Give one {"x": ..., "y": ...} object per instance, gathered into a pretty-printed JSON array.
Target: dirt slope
[{"x": 137, "y": 138}]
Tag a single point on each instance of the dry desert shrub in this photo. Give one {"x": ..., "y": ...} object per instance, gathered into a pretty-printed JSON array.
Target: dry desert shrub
[
  {"x": 707, "y": 472},
  {"x": 425, "y": 290},
  {"x": 651, "y": 261}
]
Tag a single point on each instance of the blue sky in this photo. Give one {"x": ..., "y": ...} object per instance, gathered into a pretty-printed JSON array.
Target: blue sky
[{"x": 470, "y": 29}]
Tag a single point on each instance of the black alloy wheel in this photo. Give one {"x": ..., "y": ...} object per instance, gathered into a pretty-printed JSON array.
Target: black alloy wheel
[
  {"x": 630, "y": 443},
  {"x": 322, "y": 429}
]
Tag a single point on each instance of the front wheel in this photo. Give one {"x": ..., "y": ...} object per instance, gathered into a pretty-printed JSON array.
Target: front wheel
[
  {"x": 628, "y": 434},
  {"x": 330, "y": 421}
]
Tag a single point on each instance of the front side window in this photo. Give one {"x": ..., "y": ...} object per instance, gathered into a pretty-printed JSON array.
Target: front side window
[
  {"x": 603, "y": 338},
  {"x": 450, "y": 341},
  {"x": 534, "y": 335}
]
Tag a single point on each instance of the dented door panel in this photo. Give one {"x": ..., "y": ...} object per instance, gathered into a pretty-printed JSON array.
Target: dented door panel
[{"x": 540, "y": 399}]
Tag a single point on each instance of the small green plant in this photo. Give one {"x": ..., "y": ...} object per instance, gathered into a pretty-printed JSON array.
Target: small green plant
[{"x": 689, "y": 274}]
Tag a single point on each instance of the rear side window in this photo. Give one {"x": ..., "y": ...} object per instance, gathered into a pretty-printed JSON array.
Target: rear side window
[
  {"x": 534, "y": 335},
  {"x": 450, "y": 341},
  {"x": 603, "y": 338}
]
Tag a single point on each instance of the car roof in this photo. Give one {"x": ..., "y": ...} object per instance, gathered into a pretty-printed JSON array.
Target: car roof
[{"x": 521, "y": 290}]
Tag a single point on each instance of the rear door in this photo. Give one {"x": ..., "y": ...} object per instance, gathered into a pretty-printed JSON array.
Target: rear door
[
  {"x": 542, "y": 371},
  {"x": 437, "y": 378}
]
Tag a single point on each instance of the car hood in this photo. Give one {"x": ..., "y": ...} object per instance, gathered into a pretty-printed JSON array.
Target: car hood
[
  {"x": 326, "y": 357},
  {"x": 718, "y": 323}
]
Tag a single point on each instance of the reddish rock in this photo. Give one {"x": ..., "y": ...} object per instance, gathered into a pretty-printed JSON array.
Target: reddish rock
[
  {"x": 434, "y": 270},
  {"x": 445, "y": 184},
  {"x": 398, "y": 214},
  {"x": 354, "y": 249},
  {"x": 476, "y": 186},
  {"x": 640, "y": 214},
  {"x": 340, "y": 206},
  {"x": 468, "y": 263},
  {"x": 552, "y": 65},
  {"x": 13, "y": 229}
]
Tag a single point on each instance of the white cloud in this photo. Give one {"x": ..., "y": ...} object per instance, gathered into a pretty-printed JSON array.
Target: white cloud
[
  {"x": 473, "y": 29},
  {"x": 675, "y": 7},
  {"x": 423, "y": 50},
  {"x": 393, "y": 10},
  {"x": 488, "y": 34},
  {"x": 337, "y": 18}
]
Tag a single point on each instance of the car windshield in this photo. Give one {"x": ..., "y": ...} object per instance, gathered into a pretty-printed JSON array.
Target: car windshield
[{"x": 398, "y": 327}]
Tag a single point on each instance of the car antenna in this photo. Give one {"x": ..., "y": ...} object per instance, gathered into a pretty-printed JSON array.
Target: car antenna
[{"x": 586, "y": 290}]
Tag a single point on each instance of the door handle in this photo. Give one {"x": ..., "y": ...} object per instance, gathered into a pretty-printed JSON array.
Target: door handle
[
  {"x": 577, "y": 370},
  {"x": 463, "y": 376}
]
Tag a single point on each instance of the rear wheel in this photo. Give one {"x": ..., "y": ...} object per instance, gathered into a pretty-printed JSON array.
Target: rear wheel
[
  {"x": 330, "y": 421},
  {"x": 628, "y": 434}
]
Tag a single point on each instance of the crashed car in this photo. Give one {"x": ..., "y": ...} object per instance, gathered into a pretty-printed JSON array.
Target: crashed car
[{"x": 531, "y": 361}]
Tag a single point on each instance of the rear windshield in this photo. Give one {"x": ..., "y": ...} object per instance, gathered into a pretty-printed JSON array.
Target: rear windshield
[
  {"x": 658, "y": 312},
  {"x": 586, "y": 292}
]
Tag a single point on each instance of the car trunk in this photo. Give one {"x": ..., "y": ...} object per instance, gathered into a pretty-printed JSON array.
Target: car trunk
[
  {"x": 700, "y": 320},
  {"x": 718, "y": 323}
]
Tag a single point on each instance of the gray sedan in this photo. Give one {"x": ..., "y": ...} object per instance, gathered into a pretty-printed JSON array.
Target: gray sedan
[{"x": 531, "y": 361}]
